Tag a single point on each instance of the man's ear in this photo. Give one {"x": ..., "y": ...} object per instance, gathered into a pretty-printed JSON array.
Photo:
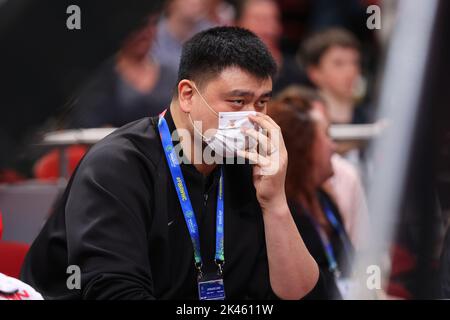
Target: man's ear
[{"x": 185, "y": 94}]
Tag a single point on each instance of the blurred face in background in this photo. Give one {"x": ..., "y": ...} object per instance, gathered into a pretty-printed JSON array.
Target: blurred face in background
[
  {"x": 139, "y": 42},
  {"x": 323, "y": 146},
  {"x": 190, "y": 11},
  {"x": 337, "y": 72},
  {"x": 263, "y": 18},
  {"x": 305, "y": 131}
]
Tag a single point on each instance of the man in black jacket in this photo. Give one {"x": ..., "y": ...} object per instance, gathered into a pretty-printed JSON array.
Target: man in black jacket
[{"x": 139, "y": 222}]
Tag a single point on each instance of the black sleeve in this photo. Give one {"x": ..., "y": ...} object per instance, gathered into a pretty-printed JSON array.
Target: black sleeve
[{"x": 107, "y": 212}]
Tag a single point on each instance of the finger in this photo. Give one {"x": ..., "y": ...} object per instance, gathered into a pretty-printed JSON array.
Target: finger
[
  {"x": 262, "y": 166},
  {"x": 265, "y": 116},
  {"x": 254, "y": 157},
  {"x": 263, "y": 141},
  {"x": 272, "y": 129},
  {"x": 275, "y": 135},
  {"x": 262, "y": 122}
]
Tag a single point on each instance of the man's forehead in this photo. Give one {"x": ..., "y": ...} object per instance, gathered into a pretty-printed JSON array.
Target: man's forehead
[{"x": 237, "y": 81}]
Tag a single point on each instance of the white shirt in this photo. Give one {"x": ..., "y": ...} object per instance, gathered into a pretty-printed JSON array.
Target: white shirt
[{"x": 13, "y": 289}]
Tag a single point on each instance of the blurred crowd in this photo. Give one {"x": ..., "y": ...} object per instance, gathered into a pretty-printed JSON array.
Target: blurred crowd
[
  {"x": 138, "y": 81},
  {"x": 316, "y": 44},
  {"x": 322, "y": 44}
]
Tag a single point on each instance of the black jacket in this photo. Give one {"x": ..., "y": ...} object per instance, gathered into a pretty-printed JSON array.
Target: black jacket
[{"x": 120, "y": 221}]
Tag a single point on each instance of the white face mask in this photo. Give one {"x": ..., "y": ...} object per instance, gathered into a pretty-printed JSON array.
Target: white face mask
[{"x": 229, "y": 138}]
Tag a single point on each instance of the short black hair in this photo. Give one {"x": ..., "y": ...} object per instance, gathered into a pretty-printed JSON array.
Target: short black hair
[{"x": 209, "y": 52}]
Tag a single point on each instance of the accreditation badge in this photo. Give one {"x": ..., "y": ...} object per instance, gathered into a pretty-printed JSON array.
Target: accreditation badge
[{"x": 211, "y": 287}]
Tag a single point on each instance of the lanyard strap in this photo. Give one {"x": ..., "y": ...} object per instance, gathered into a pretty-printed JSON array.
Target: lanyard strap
[
  {"x": 326, "y": 243},
  {"x": 185, "y": 202},
  {"x": 338, "y": 227},
  {"x": 327, "y": 246}
]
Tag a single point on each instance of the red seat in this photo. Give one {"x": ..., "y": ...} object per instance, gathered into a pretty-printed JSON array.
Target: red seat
[
  {"x": 48, "y": 167},
  {"x": 12, "y": 255}
]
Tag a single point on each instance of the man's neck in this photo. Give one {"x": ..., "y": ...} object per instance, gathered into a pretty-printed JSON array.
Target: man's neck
[
  {"x": 181, "y": 121},
  {"x": 340, "y": 109}
]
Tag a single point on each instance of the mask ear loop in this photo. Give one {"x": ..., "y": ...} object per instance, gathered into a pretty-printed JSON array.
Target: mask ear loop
[
  {"x": 197, "y": 130},
  {"x": 209, "y": 107},
  {"x": 207, "y": 104}
]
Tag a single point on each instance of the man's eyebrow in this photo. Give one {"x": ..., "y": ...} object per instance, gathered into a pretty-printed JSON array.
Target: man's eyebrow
[
  {"x": 240, "y": 93},
  {"x": 267, "y": 94},
  {"x": 244, "y": 93}
]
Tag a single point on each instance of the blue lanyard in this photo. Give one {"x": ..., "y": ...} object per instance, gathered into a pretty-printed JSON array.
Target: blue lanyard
[
  {"x": 185, "y": 202},
  {"x": 326, "y": 243},
  {"x": 327, "y": 246},
  {"x": 338, "y": 227}
]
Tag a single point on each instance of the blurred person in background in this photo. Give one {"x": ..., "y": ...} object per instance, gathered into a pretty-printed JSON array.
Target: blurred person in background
[
  {"x": 352, "y": 15},
  {"x": 345, "y": 186},
  {"x": 347, "y": 189},
  {"x": 302, "y": 17},
  {"x": 127, "y": 87},
  {"x": 64, "y": 61},
  {"x": 332, "y": 59},
  {"x": 349, "y": 14},
  {"x": 263, "y": 17},
  {"x": 182, "y": 19},
  {"x": 220, "y": 12},
  {"x": 321, "y": 225}
]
